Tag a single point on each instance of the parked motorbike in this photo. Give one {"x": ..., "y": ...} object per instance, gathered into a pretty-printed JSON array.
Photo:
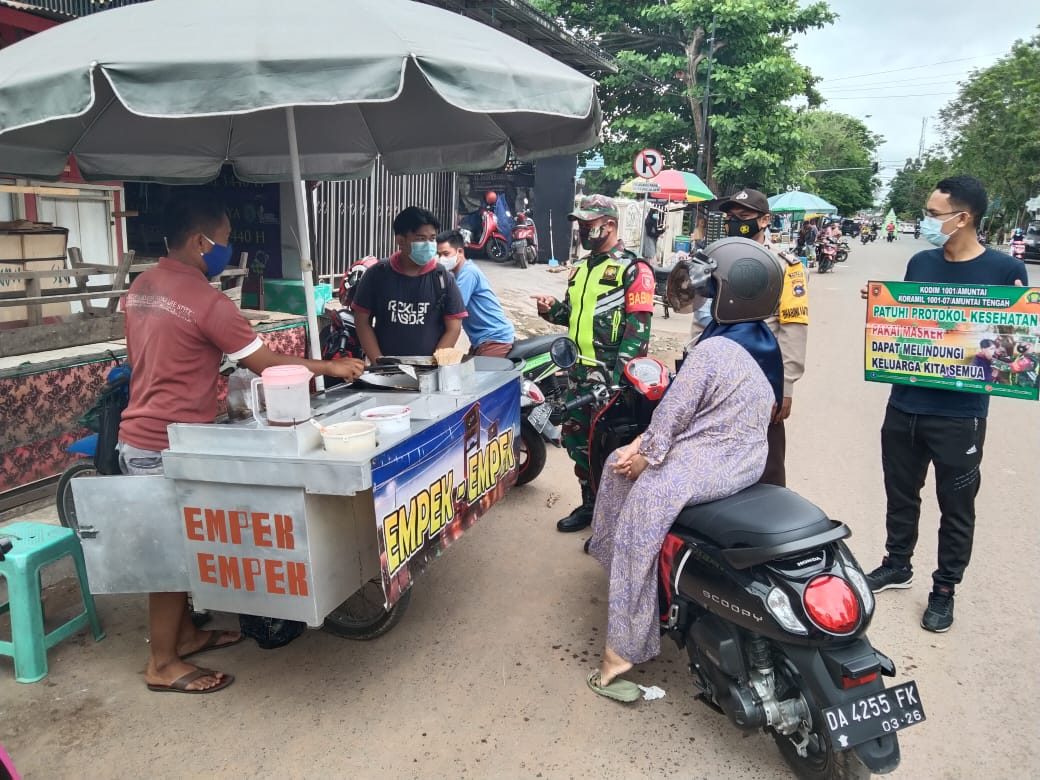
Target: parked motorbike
[
  {"x": 489, "y": 239},
  {"x": 524, "y": 248},
  {"x": 771, "y": 607},
  {"x": 842, "y": 252},
  {"x": 826, "y": 254},
  {"x": 541, "y": 392}
]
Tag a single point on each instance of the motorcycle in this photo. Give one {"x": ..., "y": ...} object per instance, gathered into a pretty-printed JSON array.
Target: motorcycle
[
  {"x": 770, "y": 606},
  {"x": 826, "y": 254},
  {"x": 842, "y": 253},
  {"x": 873, "y": 235},
  {"x": 1018, "y": 248},
  {"x": 541, "y": 391},
  {"x": 524, "y": 248},
  {"x": 864, "y": 238},
  {"x": 917, "y": 232},
  {"x": 489, "y": 239},
  {"x": 890, "y": 236}
]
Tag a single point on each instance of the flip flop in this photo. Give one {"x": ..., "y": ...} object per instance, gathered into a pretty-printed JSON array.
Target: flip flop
[
  {"x": 618, "y": 689},
  {"x": 180, "y": 685},
  {"x": 213, "y": 644}
]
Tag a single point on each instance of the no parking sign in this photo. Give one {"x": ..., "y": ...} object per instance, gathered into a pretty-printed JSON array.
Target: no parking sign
[{"x": 648, "y": 163}]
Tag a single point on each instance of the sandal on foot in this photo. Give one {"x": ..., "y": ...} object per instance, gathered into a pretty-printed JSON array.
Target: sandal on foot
[
  {"x": 617, "y": 689},
  {"x": 213, "y": 643},
  {"x": 180, "y": 685}
]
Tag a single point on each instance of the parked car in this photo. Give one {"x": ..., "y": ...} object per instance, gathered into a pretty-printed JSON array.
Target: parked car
[
  {"x": 907, "y": 227},
  {"x": 1032, "y": 242}
]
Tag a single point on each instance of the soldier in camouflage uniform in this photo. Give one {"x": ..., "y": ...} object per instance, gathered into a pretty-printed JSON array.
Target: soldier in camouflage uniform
[{"x": 609, "y": 303}]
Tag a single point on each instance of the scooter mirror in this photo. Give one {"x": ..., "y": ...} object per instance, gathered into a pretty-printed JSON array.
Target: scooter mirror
[{"x": 563, "y": 352}]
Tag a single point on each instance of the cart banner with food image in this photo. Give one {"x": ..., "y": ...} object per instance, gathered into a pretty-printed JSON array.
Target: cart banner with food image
[
  {"x": 432, "y": 487},
  {"x": 968, "y": 338}
]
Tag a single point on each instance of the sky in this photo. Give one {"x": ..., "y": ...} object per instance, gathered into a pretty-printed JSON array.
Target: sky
[{"x": 893, "y": 63}]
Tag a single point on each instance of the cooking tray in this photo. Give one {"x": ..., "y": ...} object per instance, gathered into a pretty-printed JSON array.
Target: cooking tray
[{"x": 389, "y": 377}]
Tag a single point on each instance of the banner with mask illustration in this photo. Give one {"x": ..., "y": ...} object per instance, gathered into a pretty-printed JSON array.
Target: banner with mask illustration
[{"x": 967, "y": 338}]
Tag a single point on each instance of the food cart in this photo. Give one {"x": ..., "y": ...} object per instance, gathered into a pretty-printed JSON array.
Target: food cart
[{"x": 260, "y": 519}]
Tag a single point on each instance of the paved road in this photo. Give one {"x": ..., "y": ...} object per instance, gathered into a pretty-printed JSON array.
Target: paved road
[{"x": 484, "y": 678}]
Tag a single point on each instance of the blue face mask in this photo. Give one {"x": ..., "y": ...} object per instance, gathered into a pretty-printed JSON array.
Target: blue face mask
[
  {"x": 931, "y": 229},
  {"x": 216, "y": 259},
  {"x": 422, "y": 252}
]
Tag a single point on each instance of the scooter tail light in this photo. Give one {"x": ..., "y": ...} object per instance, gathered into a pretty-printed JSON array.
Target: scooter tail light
[
  {"x": 859, "y": 582},
  {"x": 852, "y": 682},
  {"x": 530, "y": 389},
  {"x": 780, "y": 608},
  {"x": 831, "y": 604}
]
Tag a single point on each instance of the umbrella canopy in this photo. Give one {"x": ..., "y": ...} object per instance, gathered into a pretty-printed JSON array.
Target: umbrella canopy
[
  {"x": 171, "y": 90},
  {"x": 675, "y": 185},
  {"x": 797, "y": 200}
]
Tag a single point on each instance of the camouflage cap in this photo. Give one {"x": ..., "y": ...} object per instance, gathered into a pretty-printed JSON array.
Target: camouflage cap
[{"x": 592, "y": 207}]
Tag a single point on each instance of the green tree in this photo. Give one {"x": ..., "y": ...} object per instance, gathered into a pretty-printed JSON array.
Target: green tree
[
  {"x": 835, "y": 140},
  {"x": 992, "y": 128},
  {"x": 910, "y": 187},
  {"x": 663, "y": 48}
]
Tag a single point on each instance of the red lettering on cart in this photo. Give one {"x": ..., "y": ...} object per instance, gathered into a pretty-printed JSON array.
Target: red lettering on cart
[
  {"x": 229, "y": 572},
  {"x": 193, "y": 523},
  {"x": 252, "y": 569},
  {"x": 238, "y": 521},
  {"x": 275, "y": 577},
  {"x": 261, "y": 531},
  {"x": 215, "y": 526},
  {"x": 283, "y": 532},
  {"x": 407, "y": 528},
  {"x": 297, "y": 578},
  {"x": 207, "y": 568}
]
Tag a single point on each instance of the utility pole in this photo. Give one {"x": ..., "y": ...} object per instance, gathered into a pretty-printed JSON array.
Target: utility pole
[
  {"x": 702, "y": 142},
  {"x": 920, "y": 145}
]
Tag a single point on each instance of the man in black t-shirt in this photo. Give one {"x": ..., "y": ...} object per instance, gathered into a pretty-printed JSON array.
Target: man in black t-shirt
[
  {"x": 409, "y": 305},
  {"x": 946, "y": 428}
]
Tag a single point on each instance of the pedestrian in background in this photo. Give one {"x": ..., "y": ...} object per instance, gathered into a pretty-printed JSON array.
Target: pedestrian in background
[{"x": 944, "y": 428}]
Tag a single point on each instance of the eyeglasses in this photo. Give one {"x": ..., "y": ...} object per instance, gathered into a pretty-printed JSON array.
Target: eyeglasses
[{"x": 927, "y": 213}]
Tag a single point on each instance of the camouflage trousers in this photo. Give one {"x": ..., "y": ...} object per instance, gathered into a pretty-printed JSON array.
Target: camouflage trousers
[{"x": 576, "y": 432}]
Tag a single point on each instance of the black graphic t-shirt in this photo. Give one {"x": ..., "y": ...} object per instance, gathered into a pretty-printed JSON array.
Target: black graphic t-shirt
[{"x": 408, "y": 312}]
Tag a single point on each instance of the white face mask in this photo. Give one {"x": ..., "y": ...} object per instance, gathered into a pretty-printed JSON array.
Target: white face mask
[{"x": 448, "y": 262}]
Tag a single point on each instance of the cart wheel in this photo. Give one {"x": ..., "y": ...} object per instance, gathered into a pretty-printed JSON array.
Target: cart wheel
[
  {"x": 66, "y": 507},
  {"x": 363, "y": 616},
  {"x": 531, "y": 458}
]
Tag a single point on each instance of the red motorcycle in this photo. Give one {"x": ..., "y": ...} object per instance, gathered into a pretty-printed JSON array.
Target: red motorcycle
[
  {"x": 524, "y": 248},
  {"x": 826, "y": 256},
  {"x": 489, "y": 241},
  {"x": 1018, "y": 248}
]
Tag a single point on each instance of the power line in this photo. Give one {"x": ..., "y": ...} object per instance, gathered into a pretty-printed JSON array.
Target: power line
[
  {"x": 889, "y": 97},
  {"x": 914, "y": 67},
  {"x": 944, "y": 82},
  {"x": 898, "y": 81}
]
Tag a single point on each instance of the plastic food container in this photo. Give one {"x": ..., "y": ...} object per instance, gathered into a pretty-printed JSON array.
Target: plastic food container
[
  {"x": 389, "y": 419},
  {"x": 349, "y": 437}
]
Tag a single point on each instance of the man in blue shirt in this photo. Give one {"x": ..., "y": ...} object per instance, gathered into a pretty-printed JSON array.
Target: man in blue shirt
[
  {"x": 946, "y": 428},
  {"x": 489, "y": 331}
]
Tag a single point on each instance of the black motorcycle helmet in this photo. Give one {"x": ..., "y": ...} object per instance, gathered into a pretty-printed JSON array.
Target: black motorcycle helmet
[{"x": 743, "y": 279}]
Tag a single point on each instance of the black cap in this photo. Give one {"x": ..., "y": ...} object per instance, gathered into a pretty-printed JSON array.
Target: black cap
[{"x": 751, "y": 199}]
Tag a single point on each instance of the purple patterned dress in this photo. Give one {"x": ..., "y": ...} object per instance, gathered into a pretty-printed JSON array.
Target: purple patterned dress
[{"x": 707, "y": 440}]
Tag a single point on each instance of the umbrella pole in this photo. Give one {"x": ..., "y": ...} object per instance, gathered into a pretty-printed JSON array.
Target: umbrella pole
[{"x": 302, "y": 230}]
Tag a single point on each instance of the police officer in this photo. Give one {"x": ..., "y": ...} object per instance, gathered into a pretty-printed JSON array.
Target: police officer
[
  {"x": 747, "y": 215},
  {"x": 608, "y": 307}
]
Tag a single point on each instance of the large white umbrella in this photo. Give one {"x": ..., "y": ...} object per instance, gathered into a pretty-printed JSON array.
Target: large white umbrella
[{"x": 172, "y": 90}]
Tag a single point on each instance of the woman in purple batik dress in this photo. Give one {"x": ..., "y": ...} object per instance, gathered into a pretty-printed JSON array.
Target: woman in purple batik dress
[{"x": 706, "y": 440}]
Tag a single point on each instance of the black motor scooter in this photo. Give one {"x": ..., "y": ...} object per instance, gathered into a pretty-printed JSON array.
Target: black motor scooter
[{"x": 769, "y": 604}]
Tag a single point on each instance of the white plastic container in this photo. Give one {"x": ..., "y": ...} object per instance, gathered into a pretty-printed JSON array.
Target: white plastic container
[
  {"x": 349, "y": 438},
  {"x": 286, "y": 392},
  {"x": 389, "y": 419}
]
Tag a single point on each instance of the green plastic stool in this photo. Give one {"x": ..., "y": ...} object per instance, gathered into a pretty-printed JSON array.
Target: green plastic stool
[{"x": 34, "y": 546}]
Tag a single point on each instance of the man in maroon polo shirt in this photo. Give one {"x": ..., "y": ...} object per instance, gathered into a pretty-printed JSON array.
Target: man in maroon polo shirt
[{"x": 177, "y": 329}]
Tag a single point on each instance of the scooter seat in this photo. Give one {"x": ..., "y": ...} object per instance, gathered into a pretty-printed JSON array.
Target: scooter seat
[
  {"x": 536, "y": 345},
  {"x": 762, "y": 516},
  {"x": 661, "y": 273}
]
